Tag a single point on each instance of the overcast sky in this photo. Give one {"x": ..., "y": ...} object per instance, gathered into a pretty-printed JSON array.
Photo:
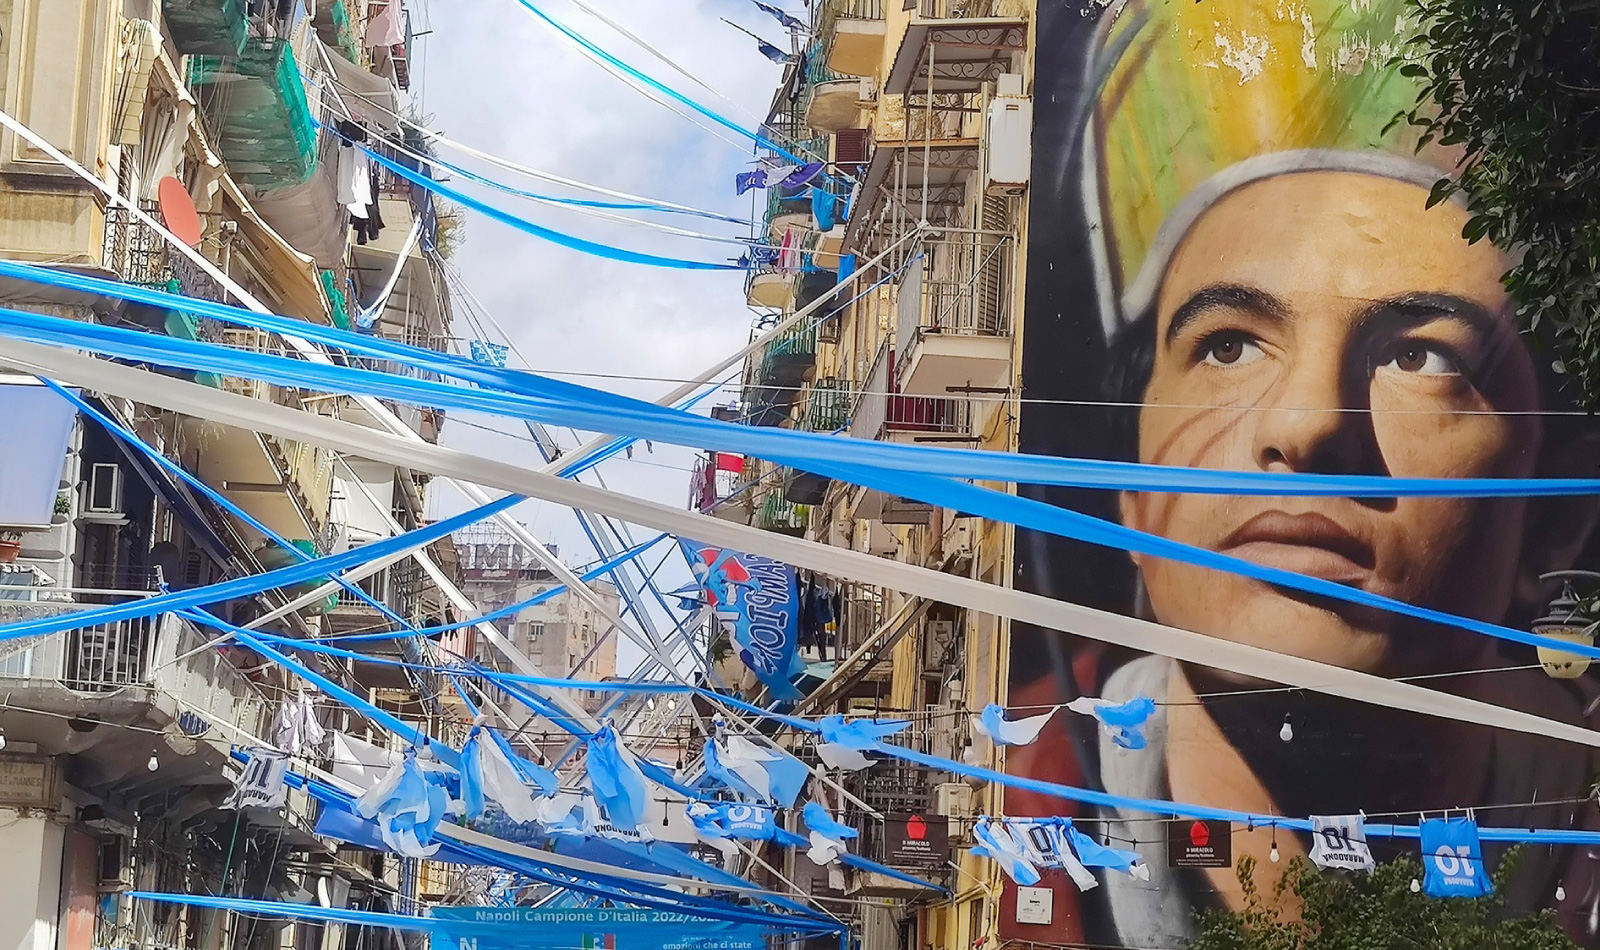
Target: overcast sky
[{"x": 493, "y": 76}]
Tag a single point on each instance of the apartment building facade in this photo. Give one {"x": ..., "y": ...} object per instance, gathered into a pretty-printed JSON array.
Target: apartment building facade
[{"x": 120, "y": 740}]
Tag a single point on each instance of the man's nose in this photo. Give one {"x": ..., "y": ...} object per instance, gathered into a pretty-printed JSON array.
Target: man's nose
[{"x": 1310, "y": 422}]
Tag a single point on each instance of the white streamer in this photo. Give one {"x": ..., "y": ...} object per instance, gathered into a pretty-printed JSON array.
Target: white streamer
[{"x": 1132, "y": 633}]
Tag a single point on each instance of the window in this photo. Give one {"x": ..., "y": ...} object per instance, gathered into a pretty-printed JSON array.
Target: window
[{"x": 535, "y": 629}]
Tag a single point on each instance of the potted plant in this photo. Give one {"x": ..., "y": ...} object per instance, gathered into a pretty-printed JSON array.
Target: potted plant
[{"x": 63, "y": 509}]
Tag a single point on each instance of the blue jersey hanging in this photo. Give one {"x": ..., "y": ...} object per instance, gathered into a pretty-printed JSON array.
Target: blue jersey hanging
[{"x": 1452, "y": 858}]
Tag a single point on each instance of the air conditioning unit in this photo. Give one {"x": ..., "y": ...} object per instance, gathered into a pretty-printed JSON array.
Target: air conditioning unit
[
  {"x": 953, "y": 800},
  {"x": 1008, "y": 135},
  {"x": 852, "y": 147},
  {"x": 116, "y": 864},
  {"x": 105, "y": 489}
]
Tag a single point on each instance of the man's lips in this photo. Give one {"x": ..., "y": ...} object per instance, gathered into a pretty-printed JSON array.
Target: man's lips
[{"x": 1307, "y": 543}]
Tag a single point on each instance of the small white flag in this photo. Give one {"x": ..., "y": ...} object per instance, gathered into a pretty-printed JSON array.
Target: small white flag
[
  {"x": 1340, "y": 842},
  {"x": 261, "y": 784}
]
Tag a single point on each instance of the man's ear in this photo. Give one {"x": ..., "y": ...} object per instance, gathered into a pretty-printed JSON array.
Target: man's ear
[{"x": 1558, "y": 529}]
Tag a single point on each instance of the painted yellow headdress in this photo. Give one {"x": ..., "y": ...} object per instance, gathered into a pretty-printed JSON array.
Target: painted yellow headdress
[{"x": 1200, "y": 97}]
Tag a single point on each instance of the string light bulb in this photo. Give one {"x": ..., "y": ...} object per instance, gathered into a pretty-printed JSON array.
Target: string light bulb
[
  {"x": 1561, "y": 892},
  {"x": 2, "y": 737},
  {"x": 1274, "y": 855},
  {"x": 154, "y": 762},
  {"x": 1416, "y": 886},
  {"x": 1287, "y": 732}
]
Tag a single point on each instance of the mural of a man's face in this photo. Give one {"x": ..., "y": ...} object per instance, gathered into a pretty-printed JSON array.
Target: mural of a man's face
[{"x": 1329, "y": 322}]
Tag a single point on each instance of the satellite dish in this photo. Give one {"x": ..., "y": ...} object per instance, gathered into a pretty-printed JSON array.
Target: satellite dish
[{"x": 177, "y": 211}]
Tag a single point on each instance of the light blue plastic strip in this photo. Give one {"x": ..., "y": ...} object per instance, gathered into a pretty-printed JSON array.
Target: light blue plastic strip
[
  {"x": 598, "y": 570},
  {"x": 255, "y": 583},
  {"x": 657, "y": 85},
  {"x": 705, "y": 433},
  {"x": 616, "y": 412},
  {"x": 584, "y": 245},
  {"x": 575, "y": 202},
  {"x": 257, "y": 641}
]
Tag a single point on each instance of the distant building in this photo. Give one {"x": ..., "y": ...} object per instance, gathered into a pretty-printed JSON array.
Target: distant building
[{"x": 564, "y": 635}]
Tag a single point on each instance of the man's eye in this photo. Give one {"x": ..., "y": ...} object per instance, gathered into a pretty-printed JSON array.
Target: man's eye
[
  {"x": 1421, "y": 359},
  {"x": 1230, "y": 349}
]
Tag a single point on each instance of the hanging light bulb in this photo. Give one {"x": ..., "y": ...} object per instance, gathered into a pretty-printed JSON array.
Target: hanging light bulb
[
  {"x": 2, "y": 737},
  {"x": 1416, "y": 885},
  {"x": 1287, "y": 732},
  {"x": 1561, "y": 892},
  {"x": 154, "y": 762},
  {"x": 1274, "y": 856}
]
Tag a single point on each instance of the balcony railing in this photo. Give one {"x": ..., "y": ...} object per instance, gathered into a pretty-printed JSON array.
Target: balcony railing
[
  {"x": 255, "y": 108},
  {"x": 138, "y": 254},
  {"x": 776, "y": 513},
  {"x": 788, "y": 356},
  {"x": 828, "y": 405},
  {"x": 883, "y": 413},
  {"x": 143, "y": 653},
  {"x": 967, "y": 292}
]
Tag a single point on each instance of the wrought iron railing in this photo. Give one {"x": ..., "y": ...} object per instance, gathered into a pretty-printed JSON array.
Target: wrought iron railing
[
  {"x": 776, "y": 513},
  {"x": 828, "y": 405}
]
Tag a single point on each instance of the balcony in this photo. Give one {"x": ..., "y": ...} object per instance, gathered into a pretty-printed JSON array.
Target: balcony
[
  {"x": 936, "y": 166},
  {"x": 773, "y": 512},
  {"x": 958, "y": 46},
  {"x": 717, "y": 480},
  {"x": 832, "y": 101},
  {"x": 148, "y": 671},
  {"x": 256, "y": 112},
  {"x": 206, "y": 27},
  {"x": 885, "y": 414},
  {"x": 771, "y": 289},
  {"x": 954, "y": 319},
  {"x": 854, "y": 33},
  {"x": 338, "y": 23},
  {"x": 789, "y": 209},
  {"x": 828, "y": 406},
  {"x": 811, "y": 288},
  {"x": 788, "y": 360}
]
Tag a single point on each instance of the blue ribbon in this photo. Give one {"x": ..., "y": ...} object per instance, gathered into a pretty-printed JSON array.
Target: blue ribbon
[
  {"x": 539, "y": 231},
  {"x": 934, "y": 460},
  {"x": 665, "y": 90}
]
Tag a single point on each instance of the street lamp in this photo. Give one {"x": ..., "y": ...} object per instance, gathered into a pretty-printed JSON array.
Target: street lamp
[{"x": 1568, "y": 622}]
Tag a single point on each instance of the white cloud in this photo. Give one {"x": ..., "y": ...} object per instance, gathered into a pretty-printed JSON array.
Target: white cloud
[{"x": 494, "y": 77}]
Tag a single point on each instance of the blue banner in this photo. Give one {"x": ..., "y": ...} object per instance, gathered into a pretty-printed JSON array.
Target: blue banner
[
  {"x": 759, "y": 599},
  {"x": 587, "y": 928},
  {"x": 1452, "y": 858}
]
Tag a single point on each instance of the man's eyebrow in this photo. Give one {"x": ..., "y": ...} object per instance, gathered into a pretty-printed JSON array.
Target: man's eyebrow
[
  {"x": 1226, "y": 297},
  {"x": 1414, "y": 308}
]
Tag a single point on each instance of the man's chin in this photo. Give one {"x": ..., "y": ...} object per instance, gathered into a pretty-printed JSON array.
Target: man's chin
[{"x": 1308, "y": 631}]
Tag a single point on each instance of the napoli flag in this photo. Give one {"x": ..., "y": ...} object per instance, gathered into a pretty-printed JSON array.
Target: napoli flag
[
  {"x": 760, "y": 599},
  {"x": 1452, "y": 858}
]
